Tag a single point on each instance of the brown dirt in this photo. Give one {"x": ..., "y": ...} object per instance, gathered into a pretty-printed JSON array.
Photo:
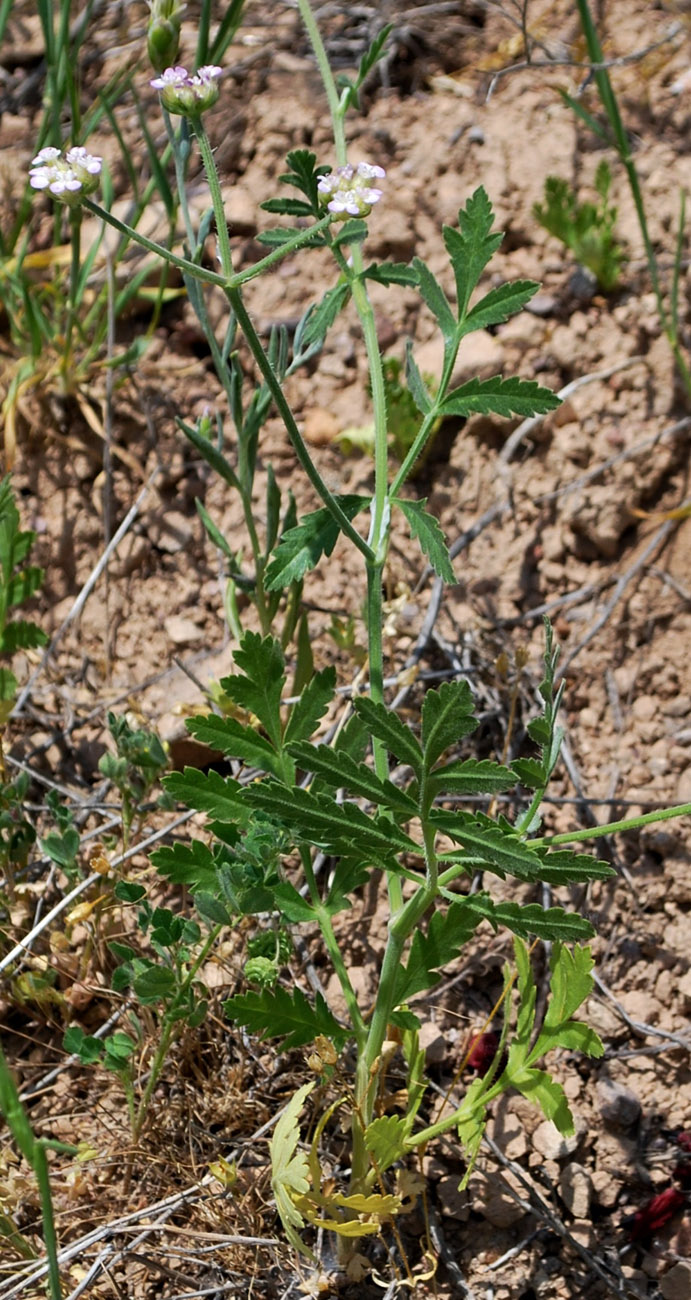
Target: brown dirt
[{"x": 587, "y": 492}]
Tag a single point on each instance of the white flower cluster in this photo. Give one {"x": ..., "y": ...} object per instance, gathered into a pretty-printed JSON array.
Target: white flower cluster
[
  {"x": 66, "y": 176},
  {"x": 188, "y": 95},
  {"x": 349, "y": 191}
]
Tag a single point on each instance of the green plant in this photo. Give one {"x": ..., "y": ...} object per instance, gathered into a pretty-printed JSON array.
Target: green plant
[
  {"x": 403, "y": 416},
  {"x": 300, "y": 803},
  {"x": 19, "y": 581},
  {"x": 34, "y": 1151},
  {"x": 166, "y": 982},
  {"x": 586, "y": 228},
  {"x": 134, "y": 769},
  {"x": 616, "y": 135}
]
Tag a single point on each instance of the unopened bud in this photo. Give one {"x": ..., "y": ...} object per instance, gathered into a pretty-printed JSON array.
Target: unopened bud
[{"x": 163, "y": 35}]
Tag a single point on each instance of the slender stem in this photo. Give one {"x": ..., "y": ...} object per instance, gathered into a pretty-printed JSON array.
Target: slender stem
[
  {"x": 226, "y": 257},
  {"x": 214, "y": 184},
  {"x": 611, "y": 107},
  {"x": 613, "y": 828},
  {"x": 180, "y": 152},
  {"x": 49, "y": 1234},
  {"x": 277, "y": 254},
  {"x": 333, "y": 949},
  {"x": 327, "y": 77},
  {"x": 182, "y": 263},
  {"x": 380, "y": 512},
  {"x": 315, "y": 478},
  {"x": 170, "y": 1023},
  {"x": 75, "y": 267}
]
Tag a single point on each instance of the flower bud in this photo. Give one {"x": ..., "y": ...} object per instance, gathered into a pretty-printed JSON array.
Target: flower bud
[{"x": 163, "y": 35}]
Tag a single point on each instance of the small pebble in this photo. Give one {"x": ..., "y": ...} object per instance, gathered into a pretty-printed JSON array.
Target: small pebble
[{"x": 619, "y": 1106}]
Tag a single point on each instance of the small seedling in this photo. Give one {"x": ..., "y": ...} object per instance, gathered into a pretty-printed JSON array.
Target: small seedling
[
  {"x": 587, "y": 228},
  {"x": 134, "y": 769}
]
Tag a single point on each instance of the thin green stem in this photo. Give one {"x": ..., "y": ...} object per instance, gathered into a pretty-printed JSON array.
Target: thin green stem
[
  {"x": 614, "y": 828},
  {"x": 324, "y": 921},
  {"x": 335, "y": 107},
  {"x": 170, "y": 1023},
  {"x": 182, "y": 263},
  {"x": 277, "y": 254},
  {"x": 315, "y": 478},
  {"x": 621, "y": 140},
  {"x": 214, "y": 184},
  {"x": 50, "y": 1236},
  {"x": 379, "y": 533},
  {"x": 75, "y": 266}
]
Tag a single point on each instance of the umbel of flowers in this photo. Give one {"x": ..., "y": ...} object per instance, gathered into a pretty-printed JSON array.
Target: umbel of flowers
[
  {"x": 188, "y": 95},
  {"x": 65, "y": 176},
  {"x": 348, "y": 191}
]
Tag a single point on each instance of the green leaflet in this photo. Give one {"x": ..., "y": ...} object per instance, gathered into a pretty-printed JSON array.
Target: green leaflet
[
  {"x": 301, "y": 548},
  {"x": 446, "y": 934},
  {"x": 472, "y": 246},
  {"x": 427, "y": 531},
  {"x": 258, "y": 686},
  {"x": 276, "y": 1013},
  {"x": 570, "y": 985},
  {"x": 235, "y": 741},
  {"x": 470, "y": 776},
  {"x": 207, "y": 792},
  {"x": 387, "y": 726},
  {"x": 447, "y": 714},
  {"x": 339, "y": 769},
  {"x": 499, "y": 304},
  {"x": 500, "y": 397},
  {"x": 310, "y": 708},
  {"x": 385, "y": 1139},
  {"x": 322, "y": 821},
  {"x": 290, "y": 1168}
]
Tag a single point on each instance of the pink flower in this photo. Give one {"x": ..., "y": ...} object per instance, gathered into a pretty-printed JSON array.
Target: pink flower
[{"x": 348, "y": 191}]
